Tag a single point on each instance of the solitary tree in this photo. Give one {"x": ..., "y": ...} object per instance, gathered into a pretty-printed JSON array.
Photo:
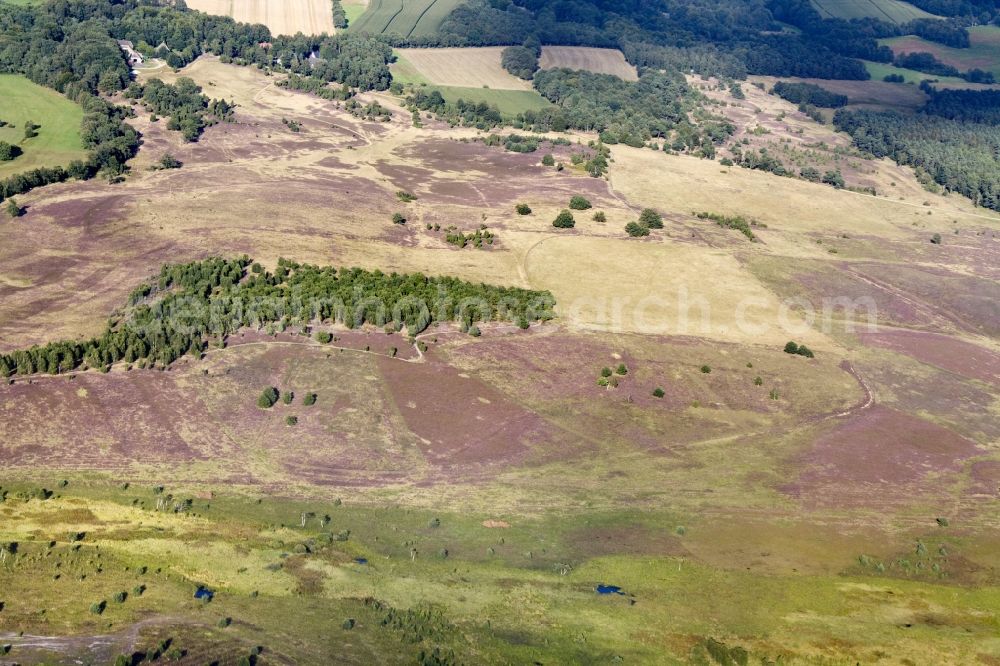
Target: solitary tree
[
  {"x": 636, "y": 230},
  {"x": 13, "y": 209},
  {"x": 650, "y": 218},
  {"x": 564, "y": 220},
  {"x": 267, "y": 398},
  {"x": 579, "y": 203}
]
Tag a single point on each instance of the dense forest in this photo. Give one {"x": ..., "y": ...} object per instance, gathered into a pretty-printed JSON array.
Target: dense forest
[
  {"x": 190, "y": 305},
  {"x": 978, "y": 106},
  {"x": 960, "y": 156}
]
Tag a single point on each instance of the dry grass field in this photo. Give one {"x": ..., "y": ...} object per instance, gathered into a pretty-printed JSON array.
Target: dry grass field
[
  {"x": 283, "y": 17},
  {"x": 599, "y": 61},
  {"x": 461, "y": 67},
  {"x": 470, "y": 497}
]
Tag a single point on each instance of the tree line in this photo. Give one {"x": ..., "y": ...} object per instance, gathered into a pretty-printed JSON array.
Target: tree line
[
  {"x": 187, "y": 306},
  {"x": 959, "y": 156}
]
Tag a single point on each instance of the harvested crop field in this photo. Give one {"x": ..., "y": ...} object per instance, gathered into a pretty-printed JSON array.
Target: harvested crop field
[
  {"x": 462, "y": 67},
  {"x": 598, "y": 61},
  {"x": 282, "y": 17}
]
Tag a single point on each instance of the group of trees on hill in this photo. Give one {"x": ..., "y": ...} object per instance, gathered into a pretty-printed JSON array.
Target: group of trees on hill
[
  {"x": 522, "y": 61},
  {"x": 808, "y": 93},
  {"x": 659, "y": 105},
  {"x": 928, "y": 64},
  {"x": 188, "y": 305},
  {"x": 189, "y": 111},
  {"x": 959, "y": 156}
]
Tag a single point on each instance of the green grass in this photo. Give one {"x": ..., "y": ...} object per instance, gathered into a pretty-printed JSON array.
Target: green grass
[
  {"x": 510, "y": 102},
  {"x": 404, "y": 72},
  {"x": 58, "y": 141},
  {"x": 353, "y": 12},
  {"x": 894, "y": 11},
  {"x": 514, "y": 595},
  {"x": 880, "y": 70},
  {"x": 409, "y": 18},
  {"x": 983, "y": 52}
]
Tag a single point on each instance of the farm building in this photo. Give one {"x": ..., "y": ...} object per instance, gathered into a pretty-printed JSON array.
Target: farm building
[{"x": 134, "y": 57}]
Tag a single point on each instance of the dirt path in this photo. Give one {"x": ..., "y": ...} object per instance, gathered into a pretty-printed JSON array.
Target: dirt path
[{"x": 869, "y": 394}]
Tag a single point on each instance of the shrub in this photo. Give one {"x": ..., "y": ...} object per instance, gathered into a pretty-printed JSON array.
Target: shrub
[
  {"x": 805, "y": 351},
  {"x": 757, "y": 381},
  {"x": 287, "y": 397},
  {"x": 706, "y": 369},
  {"x": 564, "y": 220},
  {"x": 98, "y": 607},
  {"x": 348, "y": 623},
  {"x": 651, "y": 219},
  {"x": 397, "y": 218},
  {"x": 309, "y": 400},
  {"x": 523, "y": 209},
  {"x": 599, "y": 216},
  {"x": 120, "y": 597},
  {"x": 726, "y": 162},
  {"x": 291, "y": 420},
  {"x": 579, "y": 203},
  {"x": 791, "y": 347},
  {"x": 474, "y": 331},
  {"x": 636, "y": 230},
  {"x": 605, "y": 372},
  {"x": 621, "y": 369},
  {"x": 8, "y": 151},
  {"x": 658, "y": 392},
  {"x": 936, "y": 238},
  {"x": 13, "y": 209},
  {"x": 323, "y": 337},
  {"x": 225, "y": 622},
  {"x": 405, "y": 197},
  {"x": 267, "y": 398},
  {"x": 168, "y": 161},
  {"x": 548, "y": 160}
]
